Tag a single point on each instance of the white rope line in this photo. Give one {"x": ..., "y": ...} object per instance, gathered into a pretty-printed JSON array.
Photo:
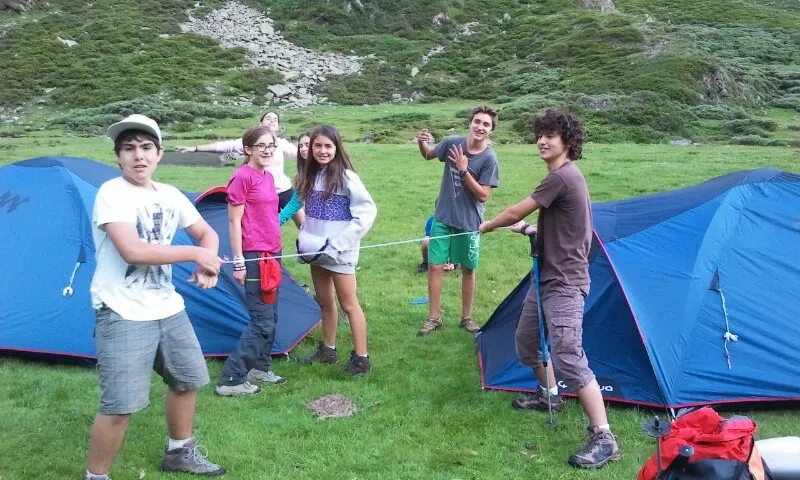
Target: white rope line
[
  {"x": 68, "y": 291},
  {"x": 363, "y": 247},
  {"x": 728, "y": 335}
]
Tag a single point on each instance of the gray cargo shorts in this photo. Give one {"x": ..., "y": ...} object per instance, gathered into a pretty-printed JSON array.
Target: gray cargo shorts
[
  {"x": 128, "y": 351},
  {"x": 562, "y": 306}
]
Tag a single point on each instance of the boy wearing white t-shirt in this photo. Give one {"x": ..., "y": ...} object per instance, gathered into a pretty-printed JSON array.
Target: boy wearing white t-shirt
[{"x": 141, "y": 324}]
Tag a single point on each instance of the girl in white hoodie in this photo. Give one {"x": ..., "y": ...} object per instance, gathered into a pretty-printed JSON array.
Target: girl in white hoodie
[{"x": 339, "y": 212}]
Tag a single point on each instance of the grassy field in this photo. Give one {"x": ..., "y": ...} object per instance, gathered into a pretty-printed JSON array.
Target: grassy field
[{"x": 422, "y": 412}]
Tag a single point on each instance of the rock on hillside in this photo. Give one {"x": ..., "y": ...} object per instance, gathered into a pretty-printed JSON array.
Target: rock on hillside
[
  {"x": 602, "y": 5},
  {"x": 237, "y": 25},
  {"x": 16, "y": 5}
]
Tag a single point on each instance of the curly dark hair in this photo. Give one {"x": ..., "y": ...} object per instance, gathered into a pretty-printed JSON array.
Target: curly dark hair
[{"x": 566, "y": 125}]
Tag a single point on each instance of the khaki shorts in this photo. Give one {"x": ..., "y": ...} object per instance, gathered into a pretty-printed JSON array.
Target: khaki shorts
[
  {"x": 128, "y": 351},
  {"x": 562, "y": 307}
]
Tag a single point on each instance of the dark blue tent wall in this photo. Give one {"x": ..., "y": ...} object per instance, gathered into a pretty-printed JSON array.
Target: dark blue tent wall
[
  {"x": 45, "y": 230},
  {"x": 654, "y": 324}
]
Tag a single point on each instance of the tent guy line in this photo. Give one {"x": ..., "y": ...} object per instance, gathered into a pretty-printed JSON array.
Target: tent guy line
[{"x": 362, "y": 247}]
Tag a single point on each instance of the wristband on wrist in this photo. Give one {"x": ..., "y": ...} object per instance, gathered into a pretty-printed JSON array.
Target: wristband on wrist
[{"x": 238, "y": 263}]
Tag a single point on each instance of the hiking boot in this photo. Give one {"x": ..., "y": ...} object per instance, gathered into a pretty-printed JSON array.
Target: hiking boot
[
  {"x": 268, "y": 378},
  {"x": 323, "y": 354},
  {"x": 600, "y": 449},
  {"x": 190, "y": 459},
  {"x": 538, "y": 401},
  {"x": 96, "y": 477},
  {"x": 468, "y": 324},
  {"x": 422, "y": 267},
  {"x": 243, "y": 389},
  {"x": 357, "y": 365},
  {"x": 430, "y": 325}
]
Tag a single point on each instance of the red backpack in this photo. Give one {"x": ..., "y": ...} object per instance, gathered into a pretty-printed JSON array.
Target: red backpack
[{"x": 723, "y": 449}]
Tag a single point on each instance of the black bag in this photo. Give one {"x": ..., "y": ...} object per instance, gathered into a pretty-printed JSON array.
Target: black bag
[{"x": 709, "y": 469}]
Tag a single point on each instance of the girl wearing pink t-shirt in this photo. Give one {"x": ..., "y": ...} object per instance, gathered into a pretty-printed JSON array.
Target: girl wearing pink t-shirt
[{"x": 256, "y": 237}]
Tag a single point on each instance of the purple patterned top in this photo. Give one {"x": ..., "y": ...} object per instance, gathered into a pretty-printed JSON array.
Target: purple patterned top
[{"x": 335, "y": 208}]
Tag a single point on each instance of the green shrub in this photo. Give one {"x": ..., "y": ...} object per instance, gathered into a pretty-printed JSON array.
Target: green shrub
[
  {"x": 791, "y": 102},
  {"x": 750, "y": 127},
  {"x": 779, "y": 142},
  {"x": 160, "y": 109},
  {"x": 254, "y": 80},
  {"x": 374, "y": 84},
  {"x": 717, "y": 112},
  {"x": 751, "y": 140},
  {"x": 537, "y": 82},
  {"x": 402, "y": 120}
]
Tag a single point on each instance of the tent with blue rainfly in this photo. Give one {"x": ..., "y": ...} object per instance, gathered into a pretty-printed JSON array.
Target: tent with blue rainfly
[
  {"x": 695, "y": 297},
  {"x": 46, "y": 238}
]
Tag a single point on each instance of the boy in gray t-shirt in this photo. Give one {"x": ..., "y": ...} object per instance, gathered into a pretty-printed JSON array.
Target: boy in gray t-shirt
[
  {"x": 470, "y": 172},
  {"x": 563, "y": 240}
]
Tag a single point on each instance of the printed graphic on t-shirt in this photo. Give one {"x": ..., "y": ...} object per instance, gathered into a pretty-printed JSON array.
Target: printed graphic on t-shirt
[
  {"x": 458, "y": 184},
  {"x": 157, "y": 226}
]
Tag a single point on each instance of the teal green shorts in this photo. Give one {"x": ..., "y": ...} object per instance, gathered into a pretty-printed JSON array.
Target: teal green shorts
[{"x": 463, "y": 249}]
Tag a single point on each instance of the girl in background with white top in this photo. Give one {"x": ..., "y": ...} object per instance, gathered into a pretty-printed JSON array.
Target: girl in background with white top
[
  {"x": 285, "y": 148},
  {"x": 339, "y": 212}
]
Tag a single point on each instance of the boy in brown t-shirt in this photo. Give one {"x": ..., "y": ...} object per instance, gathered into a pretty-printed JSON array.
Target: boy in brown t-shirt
[{"x": 563, "y": 241}]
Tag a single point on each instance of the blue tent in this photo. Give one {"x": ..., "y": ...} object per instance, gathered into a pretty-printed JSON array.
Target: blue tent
[
  {"x": 46, "y": 238},
  {"x": 695, "y": 297}
]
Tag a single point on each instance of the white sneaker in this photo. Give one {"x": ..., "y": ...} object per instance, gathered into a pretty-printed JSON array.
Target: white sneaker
[
  {"x": 245, "y": 388},
  {"x": 259, "y": 376}
]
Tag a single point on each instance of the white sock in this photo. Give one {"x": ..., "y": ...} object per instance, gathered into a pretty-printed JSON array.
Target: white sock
[
  {"x": 173, "y": 444},
  {"x": 332, "y": 347},
  {"x": 96, "y": 476},
  {"x": 551, "y": 390},
  {"x": 365, "y": 355},
  {"x": 605, "y": 427}
]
